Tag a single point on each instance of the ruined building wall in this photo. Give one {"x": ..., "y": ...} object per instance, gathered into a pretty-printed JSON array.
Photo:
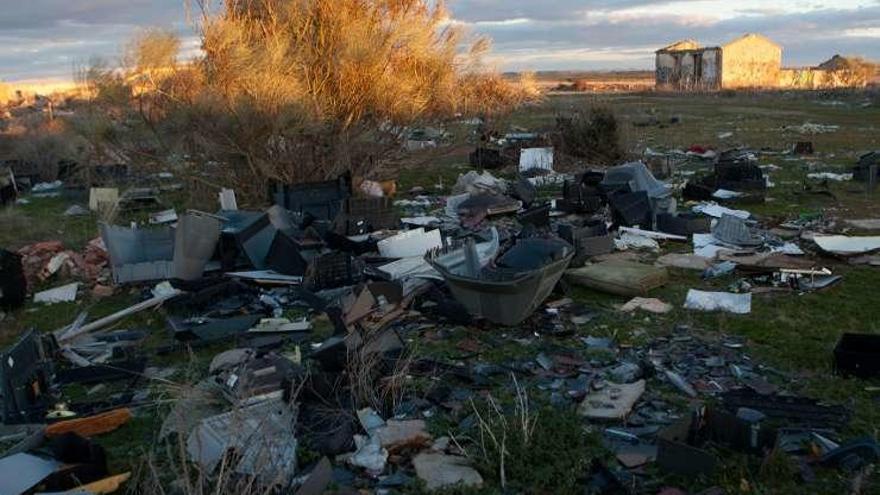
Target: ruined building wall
[
  {"x": 665, "y": 71},
  {"x": 751, "y": 62},
  {"x": 688, "y": 70}
]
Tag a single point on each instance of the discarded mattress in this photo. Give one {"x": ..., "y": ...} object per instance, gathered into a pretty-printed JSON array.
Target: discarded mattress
[
  {"x": 699, "y": 300},
  {"x": 507, "y": 296},
  {"x": 624, "y": 278}
]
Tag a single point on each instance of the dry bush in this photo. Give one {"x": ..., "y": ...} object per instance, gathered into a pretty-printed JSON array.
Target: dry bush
[
  {"x": 592, "y": 133},
  {"x": 855, "y": 71},
  {"x": 304, "y": 90},
  {"x": 377, "y": 381},
  {"x": 42, "y": 142}
]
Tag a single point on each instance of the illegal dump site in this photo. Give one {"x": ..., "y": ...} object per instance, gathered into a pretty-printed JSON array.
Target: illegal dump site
[
  {"x": 697, "y": 318},
  {"x": 602, "y": 294}
]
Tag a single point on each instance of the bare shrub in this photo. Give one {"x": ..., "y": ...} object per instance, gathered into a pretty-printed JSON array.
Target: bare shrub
[
  {"x": 305, "y": 90},
  {"x": 43, "y": 143},
  {"x": 592, "y": 133}
]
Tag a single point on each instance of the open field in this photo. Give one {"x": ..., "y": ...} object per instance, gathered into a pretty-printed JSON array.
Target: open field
[{"x": 791, "y": 333}]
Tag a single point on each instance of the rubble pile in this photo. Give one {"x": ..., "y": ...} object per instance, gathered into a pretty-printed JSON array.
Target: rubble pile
[{"x": 313, "y": 309}]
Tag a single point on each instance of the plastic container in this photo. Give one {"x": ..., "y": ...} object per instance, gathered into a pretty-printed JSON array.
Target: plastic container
[
  {"x": 857, "y": 354},
  {"x": 507, "y": 302}
]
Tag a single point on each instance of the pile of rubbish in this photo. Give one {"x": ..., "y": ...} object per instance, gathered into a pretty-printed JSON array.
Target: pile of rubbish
[{"x": 318, "y": 299}]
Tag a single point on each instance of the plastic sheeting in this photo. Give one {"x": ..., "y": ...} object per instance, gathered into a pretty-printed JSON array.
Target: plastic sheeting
[
  {"x": 846, "y": 245},
  {"x": 536, "y": 158},
  {"x": 699, "y": 300}
]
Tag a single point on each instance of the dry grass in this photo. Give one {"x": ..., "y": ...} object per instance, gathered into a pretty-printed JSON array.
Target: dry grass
[
  {"x": 375, "y": 381},
  {"x": 497, "y": 431}
]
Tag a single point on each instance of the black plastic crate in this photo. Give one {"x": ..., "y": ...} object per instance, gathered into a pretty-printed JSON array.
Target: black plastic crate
[
  {"x": 857, "y": 354},
  {"x": 321, "y": 200},
  {"x": 632, "y": 209},
  {"x": 538, "y": 216},
  {"x": 684, "y": 224},
  {"x": 365, "y": 215}
]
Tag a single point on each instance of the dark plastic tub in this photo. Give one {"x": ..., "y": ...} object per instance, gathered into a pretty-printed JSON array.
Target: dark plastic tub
[
  {"x": 507, "y": 302},
  {"x": 857, "y": 354}
]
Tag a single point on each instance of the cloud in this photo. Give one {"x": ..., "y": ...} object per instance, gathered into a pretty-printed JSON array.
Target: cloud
[
  {"x": 588, "y": 37},
  {"x": 46, "y": 38}
]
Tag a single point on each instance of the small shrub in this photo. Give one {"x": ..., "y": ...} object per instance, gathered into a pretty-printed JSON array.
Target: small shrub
[
  {"x": 543, "y": 451},
  {"x": 593, "y": 134}
]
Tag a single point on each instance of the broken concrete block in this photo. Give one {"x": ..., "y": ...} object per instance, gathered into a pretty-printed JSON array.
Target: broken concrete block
[
  {"x": 651, "y": 305},
  {"x": 440, "y": 471},
  {"x": 399, "y": 434},
  {"x": 369, "y": 455},
  {"x": 613, "y": 402}
]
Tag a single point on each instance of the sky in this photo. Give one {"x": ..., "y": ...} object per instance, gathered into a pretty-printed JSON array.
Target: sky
[{"x": 47, "y": 39}]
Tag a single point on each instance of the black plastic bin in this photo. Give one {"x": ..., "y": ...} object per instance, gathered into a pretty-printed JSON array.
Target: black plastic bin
[{"x": 857, "y": 354}]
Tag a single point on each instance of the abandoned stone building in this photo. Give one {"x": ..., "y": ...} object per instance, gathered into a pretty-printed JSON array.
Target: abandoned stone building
[{"x": 750, "y": 61}]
